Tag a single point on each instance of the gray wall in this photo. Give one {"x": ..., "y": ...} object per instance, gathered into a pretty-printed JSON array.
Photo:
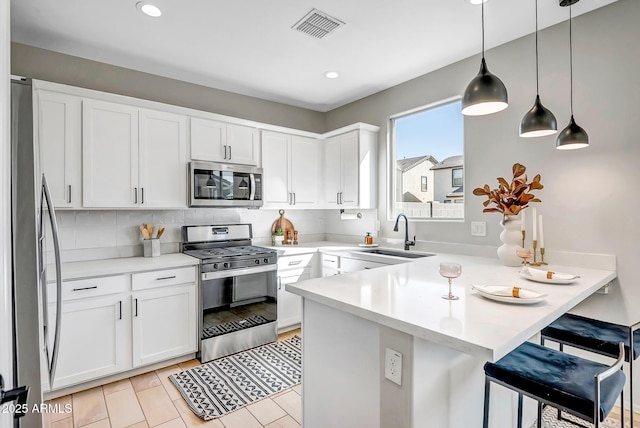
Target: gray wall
[
  {"x": 52, "y": 66},
  {"x": 589, "y": 201}
]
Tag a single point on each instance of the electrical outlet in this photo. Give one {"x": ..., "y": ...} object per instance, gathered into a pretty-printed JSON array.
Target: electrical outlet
[
  {"x": 393, "y": 366},
  {"x": 478, "y": 228}
]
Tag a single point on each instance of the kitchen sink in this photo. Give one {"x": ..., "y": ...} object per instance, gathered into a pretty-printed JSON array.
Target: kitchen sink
[{"x": 405, "y": 254}]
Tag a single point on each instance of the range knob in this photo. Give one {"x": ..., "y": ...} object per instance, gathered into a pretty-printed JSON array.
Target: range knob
[
  {"x": 215, "y": 265},
  {"x": 266, "y": 260},
  {"x": 257, "y": 261},
  {"x": 226, "y": 265}
]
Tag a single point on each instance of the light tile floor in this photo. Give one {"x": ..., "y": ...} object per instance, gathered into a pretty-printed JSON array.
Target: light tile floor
[{"x": 151, "y": 400}]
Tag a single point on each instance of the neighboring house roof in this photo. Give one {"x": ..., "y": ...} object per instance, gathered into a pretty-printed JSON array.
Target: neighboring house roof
[
  {"x": 410, "y": 197},
  {"x": 406, "y": 164},
  {"x": 458, "y": 192},
  {"x": 450, "y": 162}
]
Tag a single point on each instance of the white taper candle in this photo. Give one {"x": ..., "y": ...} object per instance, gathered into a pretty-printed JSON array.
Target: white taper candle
[
  {"x": 523, "y": 219},
  {"x": 541, "y": 232}
]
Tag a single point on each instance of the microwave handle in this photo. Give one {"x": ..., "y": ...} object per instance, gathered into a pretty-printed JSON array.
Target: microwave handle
[{"x": 252, "y": 194}]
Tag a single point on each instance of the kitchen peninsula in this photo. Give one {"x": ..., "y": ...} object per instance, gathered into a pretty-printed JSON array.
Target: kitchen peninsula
[{"x": 350, "y": 320}]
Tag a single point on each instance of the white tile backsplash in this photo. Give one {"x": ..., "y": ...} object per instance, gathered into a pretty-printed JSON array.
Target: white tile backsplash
[{"x": 90, "y": 235}]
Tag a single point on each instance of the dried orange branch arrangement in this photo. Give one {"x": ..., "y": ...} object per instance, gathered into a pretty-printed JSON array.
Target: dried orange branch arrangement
[{"x": 510, "y": 198}]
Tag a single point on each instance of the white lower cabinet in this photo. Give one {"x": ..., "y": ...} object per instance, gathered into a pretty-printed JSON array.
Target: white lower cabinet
[
  {"x": 289, "y": 304},
  {"x": 95, "y": 339},
  {"x": 112, "y": 324},
  {"x": 163, "y": 323}
]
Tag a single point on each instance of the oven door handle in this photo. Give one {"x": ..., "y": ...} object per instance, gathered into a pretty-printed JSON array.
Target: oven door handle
[{"x": 238, "y": 272}]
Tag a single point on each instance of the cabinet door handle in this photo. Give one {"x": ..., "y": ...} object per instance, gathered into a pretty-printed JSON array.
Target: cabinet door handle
[
  {"x": 338, "y": 198},
  {"x": 225, "y": 151},
  {"x": 229, "y": 152},
  {"x": 165, "y": 277},
  {"x": 142, "y": 190},
  {"x": 295, "y": 262},
  {"x": 294, "y": 198},
  {"x": 136, "y": 307},
  {"x": 120, "y": 309},
  {"x": 289, "y": 198},
  {"x": 69, "y": 193},
  {"x": 279, "y": 283},
  {"x": 341, "y": 200},
  {"x": 135, "y": 195},
  {"x": 85, "y": 288}
]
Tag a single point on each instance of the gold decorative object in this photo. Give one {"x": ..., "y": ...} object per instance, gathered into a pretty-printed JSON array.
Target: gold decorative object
[
  {"x": 535, "y": 246},
  {"x": 542, "y": 262}
]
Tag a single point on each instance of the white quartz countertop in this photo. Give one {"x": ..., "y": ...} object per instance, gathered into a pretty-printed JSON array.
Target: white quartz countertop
[
  {"x": 407, "y": 297},
  {"x": 105, "y": 267}
]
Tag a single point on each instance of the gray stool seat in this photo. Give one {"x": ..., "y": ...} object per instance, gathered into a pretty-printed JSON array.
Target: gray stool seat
[{"x": 573, "y": 384}]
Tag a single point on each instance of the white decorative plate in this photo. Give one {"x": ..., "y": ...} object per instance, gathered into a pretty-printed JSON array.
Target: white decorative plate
[
  {"x": 535, "y": 296},
  {"x": 528, "y": 276},
  {"x": 368, "y": 245}
]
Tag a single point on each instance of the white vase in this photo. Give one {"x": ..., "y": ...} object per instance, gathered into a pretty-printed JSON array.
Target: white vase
[{"x": 511, "y": 237}]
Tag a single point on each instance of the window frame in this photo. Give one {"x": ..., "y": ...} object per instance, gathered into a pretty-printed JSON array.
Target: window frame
[
  {"x": 424, "y": 183},
  {"x": 453, "y": 182},
  {"x": 392, "y": 155}
]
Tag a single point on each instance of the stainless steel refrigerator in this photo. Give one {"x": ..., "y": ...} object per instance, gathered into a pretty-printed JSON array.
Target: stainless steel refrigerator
[{"x": 36, "y": 323}]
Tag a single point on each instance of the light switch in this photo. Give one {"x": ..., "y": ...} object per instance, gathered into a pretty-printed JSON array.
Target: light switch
[{"x": 478, "y": 228}]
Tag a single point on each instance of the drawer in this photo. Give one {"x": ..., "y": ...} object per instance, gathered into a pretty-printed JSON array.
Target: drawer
[
  {"x": 331, "y": 261},
  {"x": 163, "y": 278},
  {"x": 294, "y": 262},
  {"x": 91, "y": 287},
  {"x": 352, "y": 265}
]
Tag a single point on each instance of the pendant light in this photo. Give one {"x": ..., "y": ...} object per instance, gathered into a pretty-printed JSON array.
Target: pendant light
[
  {"x": 243, "y": 184},
  {"x": 539, "y": 121},
  {"x": 486, "y": 93},
  {"x": 211, "y": 183},
  {"x": 573, "y": 136}
]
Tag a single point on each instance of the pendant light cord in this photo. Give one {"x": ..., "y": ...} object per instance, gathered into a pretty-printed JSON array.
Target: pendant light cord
[
  {"x": 482, "y": 6},
  {"x": 537, "y": 66},
  {"x": 571, "y": 58}
]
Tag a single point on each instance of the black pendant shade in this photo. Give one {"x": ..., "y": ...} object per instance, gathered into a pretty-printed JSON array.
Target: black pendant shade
[
  {"x": 538, "y": 122},
  {"x": 572, "y": 137},
  {"x": 486, "y": 93},
  {"x": 211, "y": 183}
]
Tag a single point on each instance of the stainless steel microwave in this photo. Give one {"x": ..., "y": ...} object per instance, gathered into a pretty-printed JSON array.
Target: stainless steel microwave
[{"x": 224, "y": 185}]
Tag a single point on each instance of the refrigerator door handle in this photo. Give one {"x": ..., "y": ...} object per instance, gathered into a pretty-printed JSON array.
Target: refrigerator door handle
[
  {"x": 46, "y": 195},
  {"x": 19, "y": 395}
]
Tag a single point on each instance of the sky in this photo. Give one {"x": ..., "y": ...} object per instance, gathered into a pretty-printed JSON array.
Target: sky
[{"x": 437, "y": 132}]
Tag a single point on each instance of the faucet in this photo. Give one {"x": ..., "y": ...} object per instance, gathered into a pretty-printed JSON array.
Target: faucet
[{"x": 407, "y": 243}]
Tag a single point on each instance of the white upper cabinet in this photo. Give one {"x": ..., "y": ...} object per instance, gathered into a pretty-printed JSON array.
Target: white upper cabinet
[
  {"x": 291, "y": 167},
  {"x": 110, "y": 155},
  {"x": 59, "y": 140},
  {"x": 133, "y": 158},
  {"x": 350, "y": 170},
  {"x": 162, "y": 159},
  {"x": 216, "y": 141}
]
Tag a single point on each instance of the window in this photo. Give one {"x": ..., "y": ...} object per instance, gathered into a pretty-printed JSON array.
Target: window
[
  {"x": 427, "y": 163},
  {"x": 456, "y": 177}
]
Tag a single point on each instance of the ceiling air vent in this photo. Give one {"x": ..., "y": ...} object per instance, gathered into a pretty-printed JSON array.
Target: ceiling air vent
[{"x": 317, "y": 24}]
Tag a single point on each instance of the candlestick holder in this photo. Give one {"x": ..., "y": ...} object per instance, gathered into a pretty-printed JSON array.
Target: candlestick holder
[
  {"x": 523, "y": 235},
  {"x": 542, "y": 262},
  {"x": 535, "y": 246}
]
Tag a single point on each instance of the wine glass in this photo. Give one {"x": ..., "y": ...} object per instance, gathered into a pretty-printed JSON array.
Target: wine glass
[
  {"x": 450, "y": 271},
  {"x": 524, "y": 254}
]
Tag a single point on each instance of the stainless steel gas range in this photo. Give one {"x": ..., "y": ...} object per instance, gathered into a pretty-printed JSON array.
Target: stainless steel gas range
[{"x": 238, "y": 295}]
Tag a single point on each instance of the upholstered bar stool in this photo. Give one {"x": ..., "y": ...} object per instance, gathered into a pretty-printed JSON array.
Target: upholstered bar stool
[
  {"x": 578, "y": 386},
  {"x": 596, "y": 336}
]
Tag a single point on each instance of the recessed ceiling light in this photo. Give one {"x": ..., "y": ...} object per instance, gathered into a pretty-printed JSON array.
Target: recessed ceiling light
[
  {"x": 148, "y": 9},
  {"x": 331, "y": 74}
]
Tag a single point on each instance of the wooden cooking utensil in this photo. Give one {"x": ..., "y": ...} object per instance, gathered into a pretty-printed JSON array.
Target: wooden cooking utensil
[
  {"x": 160, "y": 232},
  {"x": 145, "y": 234},
  {"x": 150, "y": 229}
]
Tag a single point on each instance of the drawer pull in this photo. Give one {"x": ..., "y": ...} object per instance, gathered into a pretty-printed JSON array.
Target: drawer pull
[
  {"x": 165, "y": 277},
  {"x": 329, "y": 260},
  {"x": 86, "y": 288},
  {"x": 120, "y": 309},
  {"x": 367, "y": 267},
  {"x": 136, "y": 302},
  {"x": 295, "y": 262}
]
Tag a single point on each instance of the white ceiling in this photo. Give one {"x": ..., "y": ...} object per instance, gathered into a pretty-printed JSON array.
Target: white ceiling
[{"x": 248, "y": 46}]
